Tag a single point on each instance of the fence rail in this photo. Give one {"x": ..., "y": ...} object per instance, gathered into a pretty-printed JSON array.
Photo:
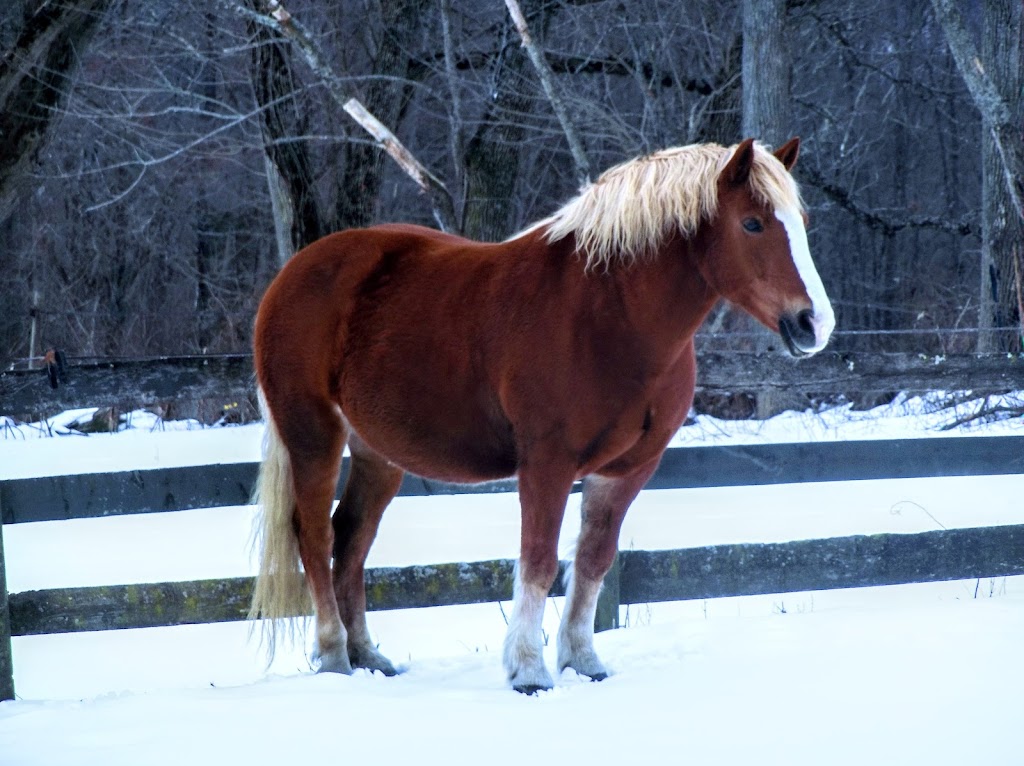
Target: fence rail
[
  {"x": 642, "y": 577},
  {"x": 173, "y": 489},
  {"x": 158, "y": 380}
]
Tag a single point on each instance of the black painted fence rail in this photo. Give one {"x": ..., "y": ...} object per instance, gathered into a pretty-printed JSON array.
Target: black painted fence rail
[
  {"x": 644, "y": 577},
  {"x": 174, "y": 489}
]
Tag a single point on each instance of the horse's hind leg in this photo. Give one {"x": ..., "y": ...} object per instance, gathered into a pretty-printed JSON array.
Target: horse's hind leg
[
  {"x": 605, "y": 502},
  {"x": 372, "y": 483},
  {"x": 314, "y": 434}
]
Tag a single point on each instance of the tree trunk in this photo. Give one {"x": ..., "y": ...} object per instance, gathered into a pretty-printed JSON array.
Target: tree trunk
[
  {"x": 540, "y": 64},
  {"x": 34, "y": 79},
  {"x": 493, "y": 152},
  {"x": 996, "y": 113},
  {"x": 297, "y": 214},
  {"x": 492, "y": 166},
  {"x": 766, "y": 90},
  {"x": 766, "y": 71},
  {"x": 1002, "y": 230}
]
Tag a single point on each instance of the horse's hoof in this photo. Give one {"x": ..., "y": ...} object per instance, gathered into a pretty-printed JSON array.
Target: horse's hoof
[
  {"x": 594, "y": 675},
  {"x": 342, "y": 670},
  {"x": 530, "y": 690},
  {"x": 385, "y": 668},
  {"x": 335, "y": 664},
  {"x": 587, "y": 665},
  {"x": 372, "y": 660},
  {"x": 531, "y": 679}
]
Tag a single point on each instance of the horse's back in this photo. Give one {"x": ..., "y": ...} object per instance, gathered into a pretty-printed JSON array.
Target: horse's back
[{"x": 321, "y": 285}]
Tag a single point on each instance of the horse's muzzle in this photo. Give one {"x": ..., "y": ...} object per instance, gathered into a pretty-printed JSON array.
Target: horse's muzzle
[{"x": 798, "y": 333}]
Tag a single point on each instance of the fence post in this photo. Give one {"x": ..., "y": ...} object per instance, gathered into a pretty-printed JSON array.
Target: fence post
[
  {"x": 607, "y": 616},
  {"x": 6, "y": 653}
]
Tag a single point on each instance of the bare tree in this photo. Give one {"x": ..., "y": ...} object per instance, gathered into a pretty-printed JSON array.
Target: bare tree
[
  {"x": 357, "y": 194},
  {"x": 386, "y": 94},
  {"x": 493, "y": 153},
  {"x": 766, "y": 71},
  {"x": 149, "y": 226},
  {"x": 130, "y": 236},
  {"x": 579, "y": 154},
  {"x": 997, "y": 114},
  {"x": 35, "y": 75},
  {"x": 291, "y": 182},
  {"x": 995, "y": 78}
]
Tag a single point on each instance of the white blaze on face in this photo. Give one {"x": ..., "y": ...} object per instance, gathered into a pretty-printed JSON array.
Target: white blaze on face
[{"x": 824, "y": 319}]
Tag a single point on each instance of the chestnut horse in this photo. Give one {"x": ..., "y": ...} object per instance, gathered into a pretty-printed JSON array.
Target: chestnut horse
[{"x": 563, "y": 353}]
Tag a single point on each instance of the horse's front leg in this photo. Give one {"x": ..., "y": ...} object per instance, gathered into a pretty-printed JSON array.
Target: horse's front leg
[
  {"x": 544, "y": 487},
  {"x": 605, "y": 502}
]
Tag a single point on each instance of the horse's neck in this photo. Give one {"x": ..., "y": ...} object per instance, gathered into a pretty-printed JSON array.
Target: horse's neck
[
  {"x": 658, "y": 302},
  {"x": 666, "y": 298}
]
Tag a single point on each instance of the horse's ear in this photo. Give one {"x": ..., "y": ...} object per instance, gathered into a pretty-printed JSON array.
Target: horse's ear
[
  {"x": 737, "y": 170},
  {"x": 788, "y": 152}
]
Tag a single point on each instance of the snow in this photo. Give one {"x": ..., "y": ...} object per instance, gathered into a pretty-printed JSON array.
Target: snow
[
  {"x": 926, "y": 673},
  {"x": 932, "y": 683},
  {"x": 28, "y": 450}
]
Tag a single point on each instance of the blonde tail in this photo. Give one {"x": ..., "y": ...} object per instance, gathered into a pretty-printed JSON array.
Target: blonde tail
[{"x": 279, "y": 595}]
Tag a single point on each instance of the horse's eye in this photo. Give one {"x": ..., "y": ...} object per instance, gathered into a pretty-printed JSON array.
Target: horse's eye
[{"x": 752, "y": 225}]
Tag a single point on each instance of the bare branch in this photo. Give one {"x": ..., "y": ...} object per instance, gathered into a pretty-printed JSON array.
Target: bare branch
[
  {"x": 888, "y": 222},
  {"x": 579, "y": 155},
  {"x": 426, "y": 180},
  {"x": 455, "y": 131}
]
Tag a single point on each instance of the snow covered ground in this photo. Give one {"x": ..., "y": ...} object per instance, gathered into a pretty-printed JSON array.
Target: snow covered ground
[{"x": 925, "y": 674}]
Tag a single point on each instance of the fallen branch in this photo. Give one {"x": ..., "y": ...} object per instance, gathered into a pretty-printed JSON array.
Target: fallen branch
[{"x": 426, "y": 180}]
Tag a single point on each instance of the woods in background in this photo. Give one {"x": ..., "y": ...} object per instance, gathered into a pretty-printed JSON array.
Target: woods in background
[{"x": 159, "y": 161}]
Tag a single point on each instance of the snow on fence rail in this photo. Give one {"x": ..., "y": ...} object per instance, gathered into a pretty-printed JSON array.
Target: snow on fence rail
[{"x": 638, "y": 577}]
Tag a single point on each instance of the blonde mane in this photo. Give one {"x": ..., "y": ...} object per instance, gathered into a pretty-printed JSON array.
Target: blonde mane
[{"x": 631, "y": 209}]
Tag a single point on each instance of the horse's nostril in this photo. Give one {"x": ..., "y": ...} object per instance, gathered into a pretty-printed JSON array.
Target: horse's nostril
[
  {"x": 805, "y": 321},
  {"x": 798, "y": 331}
]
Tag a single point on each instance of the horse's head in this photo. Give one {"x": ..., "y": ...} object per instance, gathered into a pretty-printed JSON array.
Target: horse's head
[{"x": 758, "y": 256}]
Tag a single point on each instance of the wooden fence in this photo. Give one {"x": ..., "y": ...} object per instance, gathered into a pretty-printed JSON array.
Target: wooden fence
[
  {"x": 143, "y": 382},
  {"x": 639, "y": 576}
]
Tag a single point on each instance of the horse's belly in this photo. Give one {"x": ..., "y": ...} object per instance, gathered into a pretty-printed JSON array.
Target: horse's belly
[
  {"x": 435, "y": 439},
  {"x": 454, "y": 460}
]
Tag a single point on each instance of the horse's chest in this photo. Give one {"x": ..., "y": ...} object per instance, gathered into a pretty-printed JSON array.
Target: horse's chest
[{"x": 639, "y": 429}]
